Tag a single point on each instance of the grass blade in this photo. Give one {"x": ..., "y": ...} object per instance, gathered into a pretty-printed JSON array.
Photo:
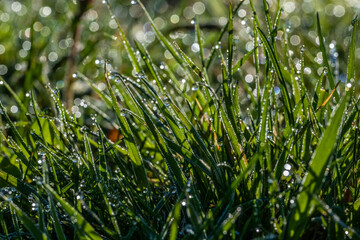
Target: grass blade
[
  {"x": 83, "y": 228},
  {"x": 312, "y": 182},
  {"x": 325, "y": 58}
]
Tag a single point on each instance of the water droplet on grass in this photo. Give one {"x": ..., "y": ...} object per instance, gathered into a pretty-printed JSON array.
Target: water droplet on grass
[
  {"x": 195, "y": 87},
  {"x": 133, "y": 2}
]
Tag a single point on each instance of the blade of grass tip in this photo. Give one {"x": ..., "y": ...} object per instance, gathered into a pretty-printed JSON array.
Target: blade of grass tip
[
  {"x": 220, "y": 36},
  {"x": 128, "y": 47},
  {"x": 325, "y": 57},
  {"x": 267, "y": 15},
  {"x": 195, "y": 135},
  {"x": 284, "y": 91},
  {"x": 82, "y": 227},
  {"x": 174, "y": 168},
  {"x": 25, "y": 219},
  {"x": 150, "y": 65},
  {"x": 180, "y": 136},
  {"x": 311, "y": 184},
  {"x": 134, "y": 152},
  {"x": 351, "y": 62},
  {"x": 198, "y": 72},
  {"x": 190, "y": 63}
]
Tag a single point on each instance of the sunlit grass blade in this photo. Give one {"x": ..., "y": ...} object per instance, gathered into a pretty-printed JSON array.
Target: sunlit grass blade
[
  {"x": 179, "y": 178},
  {"x": 134, "y": 153},
  {"x": 351, "y": 62},
  {"x": 239, "y": 63},
  {"x": 284, "y": 91},
  {"x": 311, "y": 184},
  {"x": 325, "y": 57},
  {"x": 123, "y": 37},
  {"x": 166, "y": 43}
]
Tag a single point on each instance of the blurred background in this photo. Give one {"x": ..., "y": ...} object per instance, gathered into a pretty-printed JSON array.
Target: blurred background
[{"x": 50, "y": 42}]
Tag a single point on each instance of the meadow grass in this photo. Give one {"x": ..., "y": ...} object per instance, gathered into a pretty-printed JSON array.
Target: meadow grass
[{"x": 188, "y": 157}]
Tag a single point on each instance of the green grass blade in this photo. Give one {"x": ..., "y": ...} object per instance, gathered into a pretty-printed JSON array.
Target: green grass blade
[
  {"x": 56, "y": 221},
  {"x": 25, "y": 219},
  {"x": 351, "y": 62},
  {"x": 134, "y": 153},
  {"x": 325, "y": 58},
  {"x": 18, "y": 136},
  {"x": 124, "y": 39},
  {"x": 164, "y": 41},
  {"x": 312, "y": 182},
  {"x": 174, "y": 168},
  {"x": 83, "y": 228},
  {"x": 220, "y": 36},
  {"x": 284, "y": 91}
]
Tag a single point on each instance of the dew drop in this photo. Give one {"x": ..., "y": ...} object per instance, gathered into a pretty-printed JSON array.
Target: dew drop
[
  {"x": 194, "y": 88},
  {"x": 133, "y": 2},
  {"x": 348, "y": 86}
]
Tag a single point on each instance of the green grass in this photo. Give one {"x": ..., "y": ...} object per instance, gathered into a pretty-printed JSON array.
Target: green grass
[{"x": 185, "y": 146}]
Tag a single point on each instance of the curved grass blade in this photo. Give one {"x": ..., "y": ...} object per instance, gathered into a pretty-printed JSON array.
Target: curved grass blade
[
  {"x": 174, "y": 168},
  {"x": 133, "y": 151}
]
